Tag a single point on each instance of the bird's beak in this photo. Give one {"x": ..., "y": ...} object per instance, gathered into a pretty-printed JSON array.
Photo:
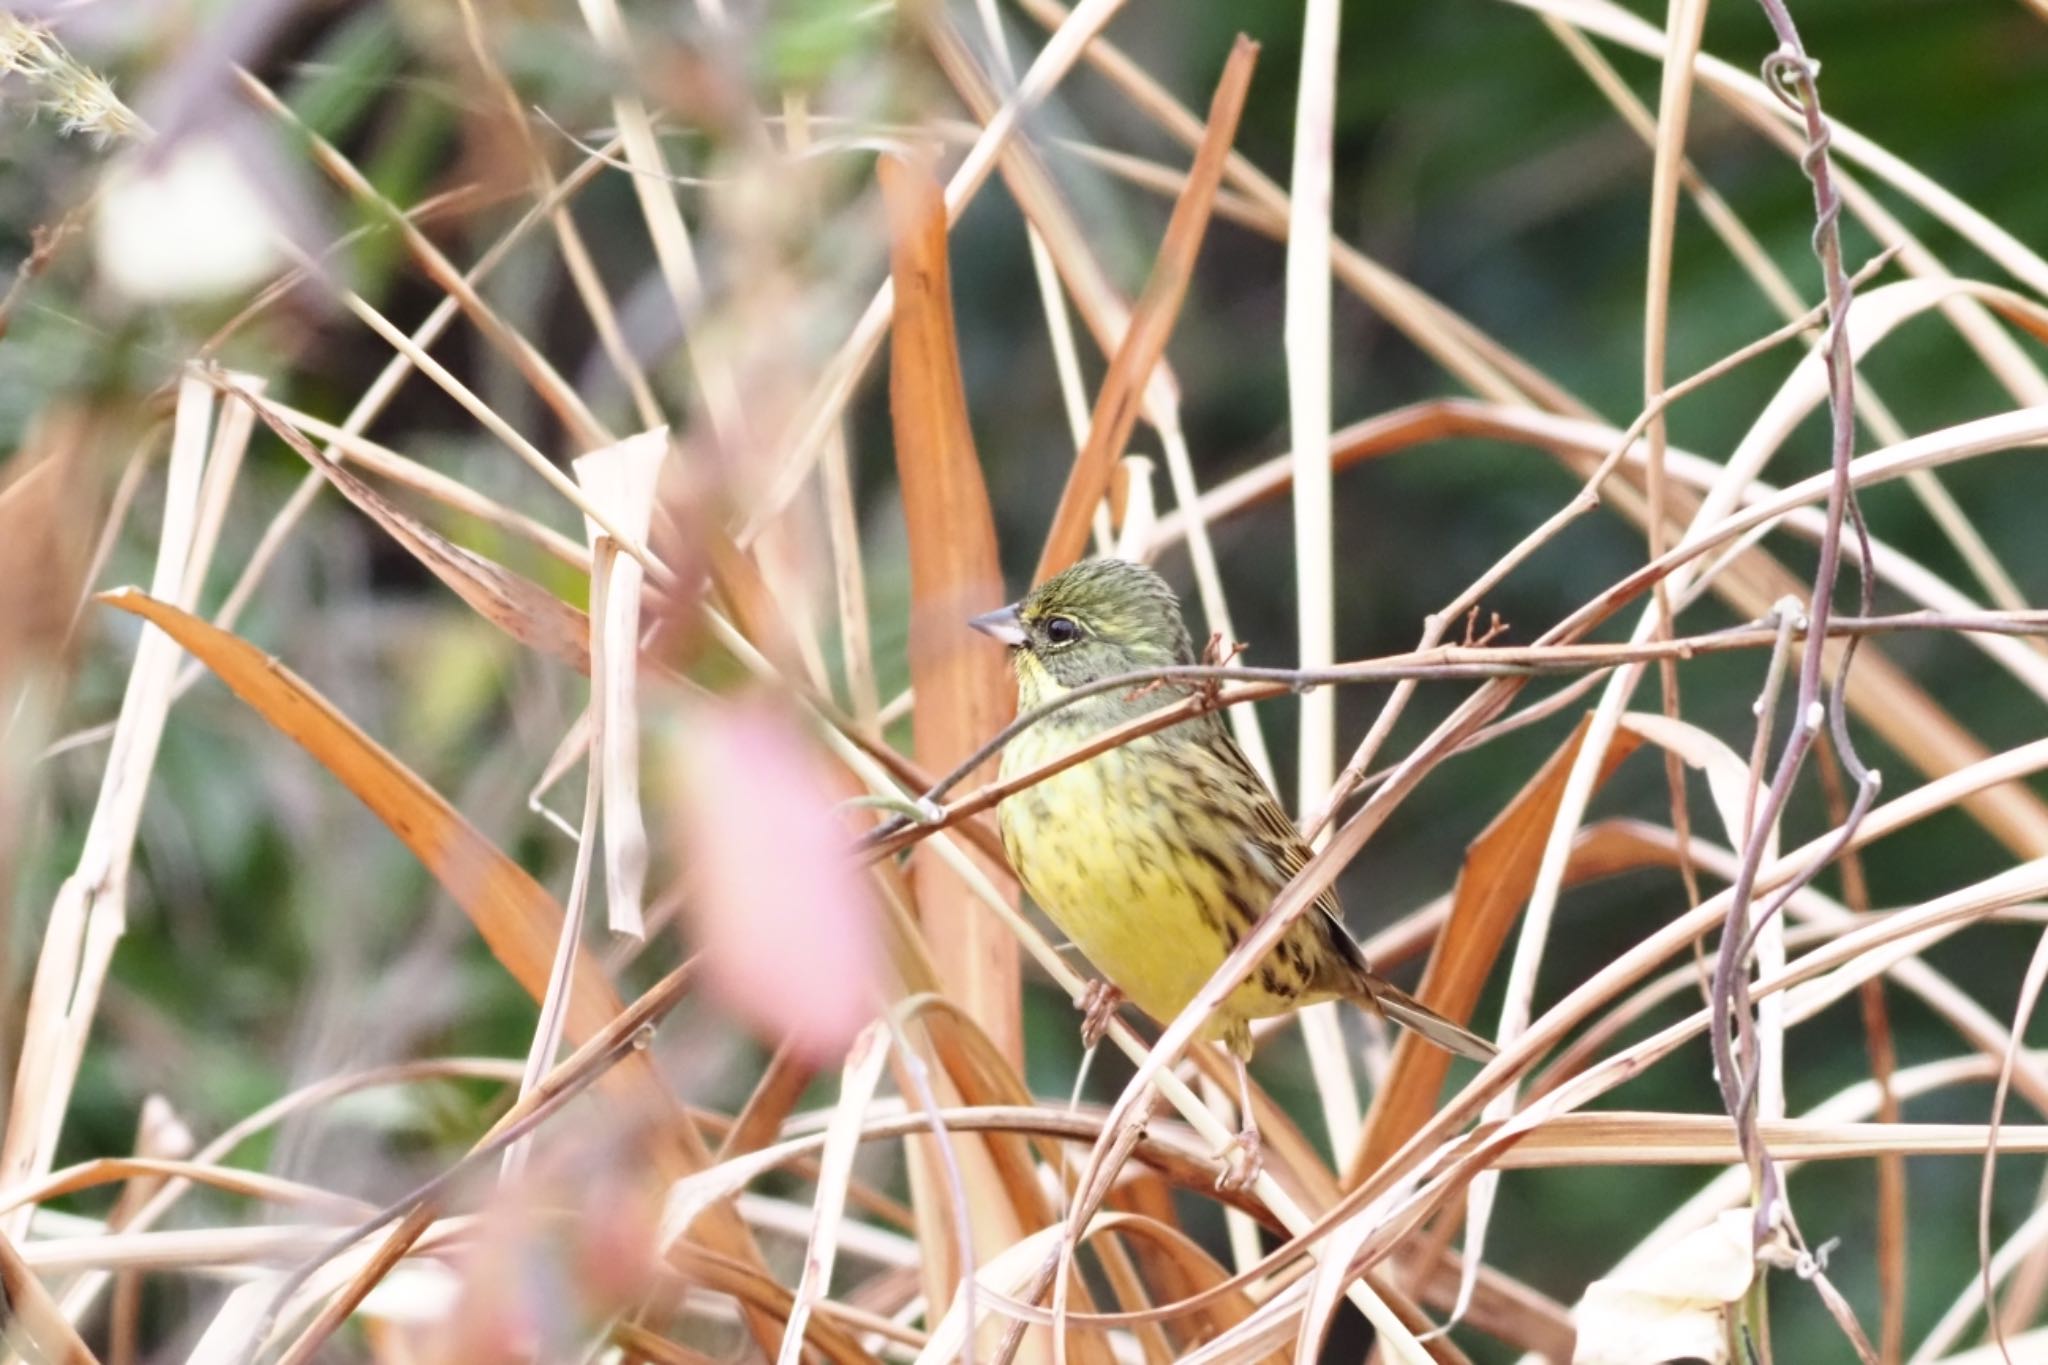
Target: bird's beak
[{"x": 1003, "y": 625}]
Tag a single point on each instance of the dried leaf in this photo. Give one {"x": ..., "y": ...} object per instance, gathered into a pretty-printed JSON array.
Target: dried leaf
[
  {"x": 1675, "y": 1307},
  {"x": 963, "y": 689},
  {"x": 517, "y": 917}
]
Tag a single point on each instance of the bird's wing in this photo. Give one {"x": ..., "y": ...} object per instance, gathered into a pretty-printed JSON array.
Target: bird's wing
[
  {"x": 1350, "y": 973},
  {"x": 1275, "y": 835}
]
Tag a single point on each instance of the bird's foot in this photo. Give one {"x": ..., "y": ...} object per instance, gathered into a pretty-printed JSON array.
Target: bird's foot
[
  {"x": 1098, "y": 1008},
  {"x": 1243, "y": 1159}
]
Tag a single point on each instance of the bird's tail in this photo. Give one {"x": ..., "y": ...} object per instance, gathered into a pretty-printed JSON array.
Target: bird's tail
[{"x": 1410, "y": 1013}]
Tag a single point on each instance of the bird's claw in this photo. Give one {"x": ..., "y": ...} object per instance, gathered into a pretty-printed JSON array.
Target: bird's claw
[
  {"x": 1242, "y": 1162},
  {"x": 1098, "y": 1009}
]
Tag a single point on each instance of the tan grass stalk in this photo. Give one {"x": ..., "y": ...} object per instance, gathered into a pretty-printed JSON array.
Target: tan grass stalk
[
  {"x": 1152, "y": 319},
  {"x": 544, "y": 1048},
  {"x": 379, "y": 394},
  {"x": 34, "y": 1325},
  {"x": 1976, "y": 327},
  {"x": 90, "y": 913},
  {"x": 576, "y": 260},
  {"x": 671, "y": 236},
  {"x": 560, "y": 396},
  {"x": 835, "y": 385},
  {"x": 1306, "y": 338},
  {"x": 864, "y": 1062},
  {"x": 1747, "y": 94},
  {"x": 622, "y": 478}
]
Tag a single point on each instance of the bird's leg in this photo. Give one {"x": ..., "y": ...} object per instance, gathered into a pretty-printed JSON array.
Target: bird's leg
[
  {"x": 1244, "y": 1159},
  {"x": 1098, "y": 1008}
]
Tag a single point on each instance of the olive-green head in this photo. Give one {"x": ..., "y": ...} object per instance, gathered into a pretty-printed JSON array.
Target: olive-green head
[{"x": 1100, "y": 618}]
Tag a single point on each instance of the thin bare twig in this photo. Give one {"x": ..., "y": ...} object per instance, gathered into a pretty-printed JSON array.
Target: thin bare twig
[
  {"x": 1792, "y": 75},
  {"x": 1444, "y": 663}
]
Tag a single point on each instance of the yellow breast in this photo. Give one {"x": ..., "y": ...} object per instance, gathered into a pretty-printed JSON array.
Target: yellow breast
[{"x": 1109, "y": 850}]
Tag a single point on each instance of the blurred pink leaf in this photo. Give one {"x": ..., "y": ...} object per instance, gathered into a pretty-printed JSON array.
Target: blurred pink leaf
[{"x": 782, "y": 912}]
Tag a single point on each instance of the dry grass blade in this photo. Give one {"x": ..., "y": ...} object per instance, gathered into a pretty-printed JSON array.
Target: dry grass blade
[
  {"x": 1123, "y": 388},
  {"x": 622, "y": 479},
  {"x": 963, "y": 685},
  {"x": 152, "y": 1171},
  {"x": 42, "y": 558},
  {"x": 89, "y": 916},
  {"x": 514, "y": 604},
  {"x": 2030, "y": 995},
  {"x": 964, "y": 693},
  {"x": 1306, "y": 342},
  {"x": 1495, "y": 879},
  {"x": 1180, "y": 1269},
  {"x": 517, "y": 918},
  {"x": 863, "y": 1070},
  {"x": 1618, "y": 1138},
  {"x": 32, "y": 1322}
]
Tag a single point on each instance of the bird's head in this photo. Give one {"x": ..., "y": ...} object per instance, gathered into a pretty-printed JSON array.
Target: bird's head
[{"x": 1100, "y": 618}]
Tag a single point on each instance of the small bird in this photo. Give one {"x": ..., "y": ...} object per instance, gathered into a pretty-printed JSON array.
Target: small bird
[{"x": 1157, "y": 857}]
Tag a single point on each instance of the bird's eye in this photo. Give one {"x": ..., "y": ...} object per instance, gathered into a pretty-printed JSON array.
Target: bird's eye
[{"x": 1061, "y": 630}]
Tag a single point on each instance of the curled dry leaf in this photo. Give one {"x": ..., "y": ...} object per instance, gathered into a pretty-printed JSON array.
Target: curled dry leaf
[
  {"x": 1676, "y": 1306},
  {"x": 782, "y": 913},
  {"x": 621, "y": 479}
]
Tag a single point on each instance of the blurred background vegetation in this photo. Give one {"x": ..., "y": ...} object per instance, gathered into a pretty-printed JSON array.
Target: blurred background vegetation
[{"x": 278, "y": 933}]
